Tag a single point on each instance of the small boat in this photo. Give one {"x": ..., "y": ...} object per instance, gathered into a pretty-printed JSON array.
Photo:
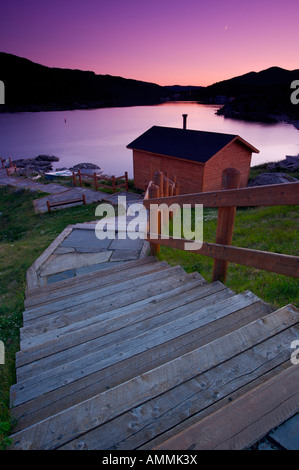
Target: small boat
[{"x": 55, "y": 174}]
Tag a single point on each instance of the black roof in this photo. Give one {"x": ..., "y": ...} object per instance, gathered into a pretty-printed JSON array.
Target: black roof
[{"x": 188, "y": 144}]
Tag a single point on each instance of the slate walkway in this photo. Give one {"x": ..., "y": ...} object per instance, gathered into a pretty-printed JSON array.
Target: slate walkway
[
  {"x": 59, "y": 192},
  {"x": 77, "y": 250}
]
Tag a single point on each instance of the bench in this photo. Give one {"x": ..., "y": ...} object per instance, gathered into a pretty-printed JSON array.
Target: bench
[{"x": 66, "y": 201}]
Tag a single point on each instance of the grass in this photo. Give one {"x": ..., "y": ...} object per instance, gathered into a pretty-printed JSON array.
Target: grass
[
  {"x": 24, "y": 235},
  {"x": 267, "y": 229}
]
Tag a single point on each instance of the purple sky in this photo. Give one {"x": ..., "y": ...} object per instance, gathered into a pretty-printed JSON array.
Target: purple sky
[{"x": 184, "y": 42}]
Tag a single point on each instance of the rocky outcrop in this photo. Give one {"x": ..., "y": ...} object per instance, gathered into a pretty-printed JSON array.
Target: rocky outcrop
[
  {"x": 37, "y": 165},
  {"x": 290, "y": 163},
  {"x": 272, "y": 178}
]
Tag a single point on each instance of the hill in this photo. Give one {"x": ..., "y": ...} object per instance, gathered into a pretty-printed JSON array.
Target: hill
[
  {"x": 33, "y": 87},
  {"x": 255, "y": 96}
]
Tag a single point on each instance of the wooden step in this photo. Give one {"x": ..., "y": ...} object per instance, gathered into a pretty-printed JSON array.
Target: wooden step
[
  {"x": 35, "y": 312},
  {"x": 107, "y": 354},
  {"x": 90, "y": 385},
  {"x": 157, "y": 283},
  {"x": 87, "y": 282},
  {"x": 116, "y": 327},
  {"x": 139, "y": 412},
  {"x": 87, "y": 329}
]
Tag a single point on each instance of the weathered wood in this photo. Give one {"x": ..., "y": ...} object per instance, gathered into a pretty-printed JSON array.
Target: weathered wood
[
  {"x": 154, "y": 191},
  {"x": 225, "y": 223},
  {"x": 189, "y": 400},
  {"x": 66, "y": 202},
  {"x": 33, "y": 313},
  {"x": 62, "y": 318},
  {"x": 273, "y": 262},
  {"x": 97, "y": 280},
  {"x": 36, "y": 292},
  {"x": 270, "y": 195},
  {"x": 75, "y": 421},
  {"x": 89, "y": 363},
  {"x": 53, "y": 402},
  {"x": 75, "y": 345},
  {"x": 245, "y": 420},
  {"x": 92, "y": 328}
]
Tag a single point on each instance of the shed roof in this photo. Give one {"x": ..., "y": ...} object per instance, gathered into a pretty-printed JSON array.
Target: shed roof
[{"x": 187, "y": 144}]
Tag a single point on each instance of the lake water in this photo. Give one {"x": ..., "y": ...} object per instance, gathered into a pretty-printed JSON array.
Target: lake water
[{"x": 100, "y": 136}]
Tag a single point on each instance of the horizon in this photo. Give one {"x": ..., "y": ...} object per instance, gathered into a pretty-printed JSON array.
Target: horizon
[
  {"x": 163, "y": 42},
  {"x": 133, "y": 78}
]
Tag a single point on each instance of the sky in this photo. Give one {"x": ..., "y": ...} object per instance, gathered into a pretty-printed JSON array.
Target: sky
[{"x": 184, "y": 42}]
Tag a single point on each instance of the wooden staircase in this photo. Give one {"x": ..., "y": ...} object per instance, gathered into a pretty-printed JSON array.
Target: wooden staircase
[{"x": 145, "y": 356}]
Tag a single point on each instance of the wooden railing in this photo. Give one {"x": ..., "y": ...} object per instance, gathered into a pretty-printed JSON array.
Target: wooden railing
[
  {"x": 226, "y": 200},
  {"x": 9, "y": 169},
  {"x": 99, "y": 181}
]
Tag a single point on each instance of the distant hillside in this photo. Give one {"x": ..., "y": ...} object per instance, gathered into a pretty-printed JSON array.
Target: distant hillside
[
  {"x": 256, "y": 96},
  {"x": 30, "y": 86}
]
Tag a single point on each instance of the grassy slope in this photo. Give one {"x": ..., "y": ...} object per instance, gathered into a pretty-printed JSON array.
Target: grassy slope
[{"x": 23, "y": 237}]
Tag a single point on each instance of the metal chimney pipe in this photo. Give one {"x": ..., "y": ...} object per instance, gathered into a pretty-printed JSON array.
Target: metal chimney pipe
[{"x": 184, "y": 120}]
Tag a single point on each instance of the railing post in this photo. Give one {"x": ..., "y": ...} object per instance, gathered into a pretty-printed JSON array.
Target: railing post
[
  {"x": 153, "y": 192},
  {"x": 95, "y": 181},
  {"x": 225, "y": 223},
  {"x": 80, "y": 177},
  {"x": 158, "y": 180},
  {"x": 127, "y": 181},
  {"x": 113, "y": 184}
]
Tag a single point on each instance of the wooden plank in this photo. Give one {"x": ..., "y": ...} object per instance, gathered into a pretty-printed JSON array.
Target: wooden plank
[
  {"x": 73, "y": 422},
  {"x": 36, "y": 291},
  {"x": 84, "y": 388},
  {"x": 112, "y": 331},
  {"x": 245, "y": 420},
  {"x": 87, "y": 363},
  {"x": 81, "y": 298},
  {"x": 269, "y": 195},
  {"x": 94, "y": 282},
  {"x": 225, "y": 223},
  {"x": 273, "y": 262},
  {"x": 114, "y": 319},
  {"x": 192, "y": 280},
  {"x": 189, "y": 400},
  {"x": 56, "y": 320}
]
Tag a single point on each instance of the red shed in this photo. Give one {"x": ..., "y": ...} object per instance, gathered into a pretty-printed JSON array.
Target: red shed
[{"x": 196, "y": 158}]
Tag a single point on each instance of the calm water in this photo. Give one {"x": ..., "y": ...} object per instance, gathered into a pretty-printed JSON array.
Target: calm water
[{"x": 100, "y": 136}]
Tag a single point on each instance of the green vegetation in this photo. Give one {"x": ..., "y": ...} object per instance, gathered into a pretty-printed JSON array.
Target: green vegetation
[
  {"x": 24, "y": 235},
  {"x": 272, "y": 229}
]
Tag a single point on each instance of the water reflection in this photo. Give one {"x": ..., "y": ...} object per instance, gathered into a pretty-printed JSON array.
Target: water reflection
[{"x": 100, "y": 136}]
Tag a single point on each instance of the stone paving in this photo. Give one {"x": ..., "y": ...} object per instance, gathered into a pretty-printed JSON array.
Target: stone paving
[
  {"x": 79, "y": 251},
  {"x": 59, "y": 192}
]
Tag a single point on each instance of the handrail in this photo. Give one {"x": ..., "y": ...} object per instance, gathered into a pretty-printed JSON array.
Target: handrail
[
  {"x": 268, "y": 195},
  {"x": 226, "y": 200}
]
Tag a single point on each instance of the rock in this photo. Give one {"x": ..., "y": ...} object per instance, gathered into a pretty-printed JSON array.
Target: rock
[
  {"x": 272, "y": 178},
  {"x": 47, "y": 158},
  {"x": 88, "y": 166}
]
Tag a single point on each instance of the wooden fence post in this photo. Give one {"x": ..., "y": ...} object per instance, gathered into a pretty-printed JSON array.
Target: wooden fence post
[
  {"x": 158, "y": 180},
  {"x": 80, "y": 177},
  {"x": 74, "y": 178},
  {"x": 127, "y": 182},
  {"x": 95, "y": 181},
  {"x": 113, "y": 183},
  {"x": 153, "y": 192},
  {"x": 225, "y": 223}
]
